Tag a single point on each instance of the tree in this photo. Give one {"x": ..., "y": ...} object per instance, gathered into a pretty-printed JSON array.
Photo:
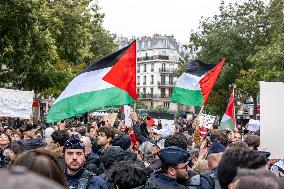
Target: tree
[
  {"x": 234, "y": 33},
  {"x": 46, "y": 43},
  {"x": 26, "y": 44}
]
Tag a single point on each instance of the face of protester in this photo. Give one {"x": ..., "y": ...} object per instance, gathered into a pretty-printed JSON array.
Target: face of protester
[
  {"x": 9, "y": 132},
  {"x": 231, "y": 136},
  {"x": 237, "y": 137},
  {"x": 93, "y": 132},
  {"x": 15, "y": 137},
  {"x": 73, "y": 129},
  {"x": 94, "y": 124},
  {"x": 26, "y": 137},
  {"x": 74, "y": 159},
  {"x": 4, "y": 140},
  {"x": 38, "y": 135},
  {"x": 103, "y": 140},
  {"x": 181, "y": 172}
]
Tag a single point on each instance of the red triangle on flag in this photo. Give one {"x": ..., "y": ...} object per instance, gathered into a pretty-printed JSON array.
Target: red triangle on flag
[
  {"x": 231, "y": 108},
  {"x": 207, "y": 82},
  {"x": 123, "y": 73}
]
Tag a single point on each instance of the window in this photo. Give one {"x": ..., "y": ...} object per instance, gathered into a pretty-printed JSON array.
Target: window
[
  {"x": 166, "y": 104},
  {"x": 144, "y": 90},
  {"x": 138, "y": 69},
  {"x": 144, "y": 81},
  {"x": 171, "y": 79},
  {"x": 152, "y": 79},
  {"x": 163, "y": 92},
  {"x": 138, "y": 91},
  {"x": 170, "y": 92},
  {"x": 163, "y": 80},
  {"x": 138, "y": 80},
  {"x": 152, "y": 91},
  {"x": 151, "y": 104},
  {"x": 152, "y": 67},
  {"x": 145, "y": 67},
  {"x": 163, "y": 66}
]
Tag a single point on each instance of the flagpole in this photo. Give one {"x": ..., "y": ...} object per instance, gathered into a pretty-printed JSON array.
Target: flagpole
[{"x": 234, "y": 106}]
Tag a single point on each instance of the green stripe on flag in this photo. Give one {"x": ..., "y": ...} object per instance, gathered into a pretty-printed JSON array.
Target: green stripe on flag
[
  {"x": 228, "y": 124},
  {"x": 84, "y": 102},
  {"x": 187, "y": 97}
]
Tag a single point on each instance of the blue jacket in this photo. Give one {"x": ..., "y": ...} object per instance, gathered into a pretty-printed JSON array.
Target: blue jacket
[{"x": 85, "y": 179}]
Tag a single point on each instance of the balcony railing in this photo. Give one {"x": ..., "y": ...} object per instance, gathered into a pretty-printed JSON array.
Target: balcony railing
[
  {"x": 156, "y": 57},
  {"x": 165, "y": 84},
  {"x": 166, "y": 70},
  {"x": 151, "y": 96}
]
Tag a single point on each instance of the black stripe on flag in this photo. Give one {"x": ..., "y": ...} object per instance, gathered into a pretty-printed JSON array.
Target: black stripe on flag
[
  {"x": 107, "y": 61},
  {"x": 198, "y": 68}
]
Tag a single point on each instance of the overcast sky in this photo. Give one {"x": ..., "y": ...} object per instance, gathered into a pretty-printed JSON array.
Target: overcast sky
[{"x": 146, "y": 17}]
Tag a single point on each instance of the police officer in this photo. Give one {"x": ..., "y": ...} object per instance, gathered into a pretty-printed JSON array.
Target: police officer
[
  {"x": 77, "y": 177},
  {"x": 174, "y": 165}
]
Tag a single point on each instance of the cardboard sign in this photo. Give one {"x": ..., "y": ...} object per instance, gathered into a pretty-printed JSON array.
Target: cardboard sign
[
  {"x": 111, "y": 118},
  {"x": 15, "y": 103},
  {"x": 271, "y": 118}
]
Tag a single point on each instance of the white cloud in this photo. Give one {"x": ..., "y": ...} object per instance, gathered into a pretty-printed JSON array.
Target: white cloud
[{"x": 146, "y": 17}]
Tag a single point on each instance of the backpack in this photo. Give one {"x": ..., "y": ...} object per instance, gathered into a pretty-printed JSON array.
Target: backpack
[
  {"x": 84, "y": 180},
  {"x": 210, "y": 177}
]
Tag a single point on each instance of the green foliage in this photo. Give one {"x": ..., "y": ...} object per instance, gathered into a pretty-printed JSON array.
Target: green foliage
[
  {"x": 241, "y": 33},
  {"x": 160, "y": 109},
  {"x": 46, "y": 43},
  {"x": 247, "y": 82}
]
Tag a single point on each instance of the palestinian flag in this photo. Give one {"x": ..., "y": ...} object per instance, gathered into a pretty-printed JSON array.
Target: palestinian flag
[
  {"x": 109, "y": 82},
  {"x": 228, "y": 120},
  {"x": 194, "y": 86}
]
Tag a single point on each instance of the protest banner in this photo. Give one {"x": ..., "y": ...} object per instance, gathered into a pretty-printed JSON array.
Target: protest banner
[
  {"x": 127, "y": 111},
  {"x": 15, "y": 103},
  {"x": 253, "y": 125},
  {"x": 271, "y": 118},
  {"x": 206, "y": 120}
]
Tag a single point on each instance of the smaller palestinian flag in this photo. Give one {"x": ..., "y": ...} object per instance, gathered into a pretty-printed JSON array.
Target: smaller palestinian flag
[
  {"x": 228, "y": 120},
  {"x": 194, "y": 86},
  {"x": 110, "y": 81}
]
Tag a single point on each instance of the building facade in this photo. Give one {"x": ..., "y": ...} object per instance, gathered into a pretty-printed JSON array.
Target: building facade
[{"x": 157, "y": 59}]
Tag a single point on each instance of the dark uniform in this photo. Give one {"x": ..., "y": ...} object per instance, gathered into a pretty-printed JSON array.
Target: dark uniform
[
  {"x": 85, "y": 179},
  {"x": 170, "y": 156},
  {"x": 82, "y": 179}
]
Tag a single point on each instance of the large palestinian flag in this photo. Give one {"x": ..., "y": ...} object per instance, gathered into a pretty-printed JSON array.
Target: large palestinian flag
[
  {"x": 228, "y": 120},
  {"x": 109, "y": 82},
  {"x": 194, "y": 86}
]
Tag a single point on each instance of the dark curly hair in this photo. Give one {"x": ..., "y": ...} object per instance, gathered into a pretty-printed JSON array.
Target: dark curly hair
[
  {"x": 252, "y": 141},
  {"x": 128, "y": 175},
  {"x": 177, "y": 139},
  {"x": 219, "y": 135},
  {"x": 109, "y": 132},
  {"x": 234, "y": 158},
  {"x": 60, "y": 137}
]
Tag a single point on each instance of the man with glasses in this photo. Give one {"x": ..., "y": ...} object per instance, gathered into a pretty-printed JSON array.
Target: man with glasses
[{"x": 174, "y": 165}]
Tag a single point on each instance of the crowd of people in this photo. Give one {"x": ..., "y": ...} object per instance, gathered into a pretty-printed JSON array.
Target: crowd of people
[{"x": 100, "y": 155}]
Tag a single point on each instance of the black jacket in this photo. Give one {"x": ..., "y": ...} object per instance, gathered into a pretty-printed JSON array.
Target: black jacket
[
  {"x": 92, "y": 164},
  {"x": 162, "y": 182},
  {"x": 141, "y": 132}
]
